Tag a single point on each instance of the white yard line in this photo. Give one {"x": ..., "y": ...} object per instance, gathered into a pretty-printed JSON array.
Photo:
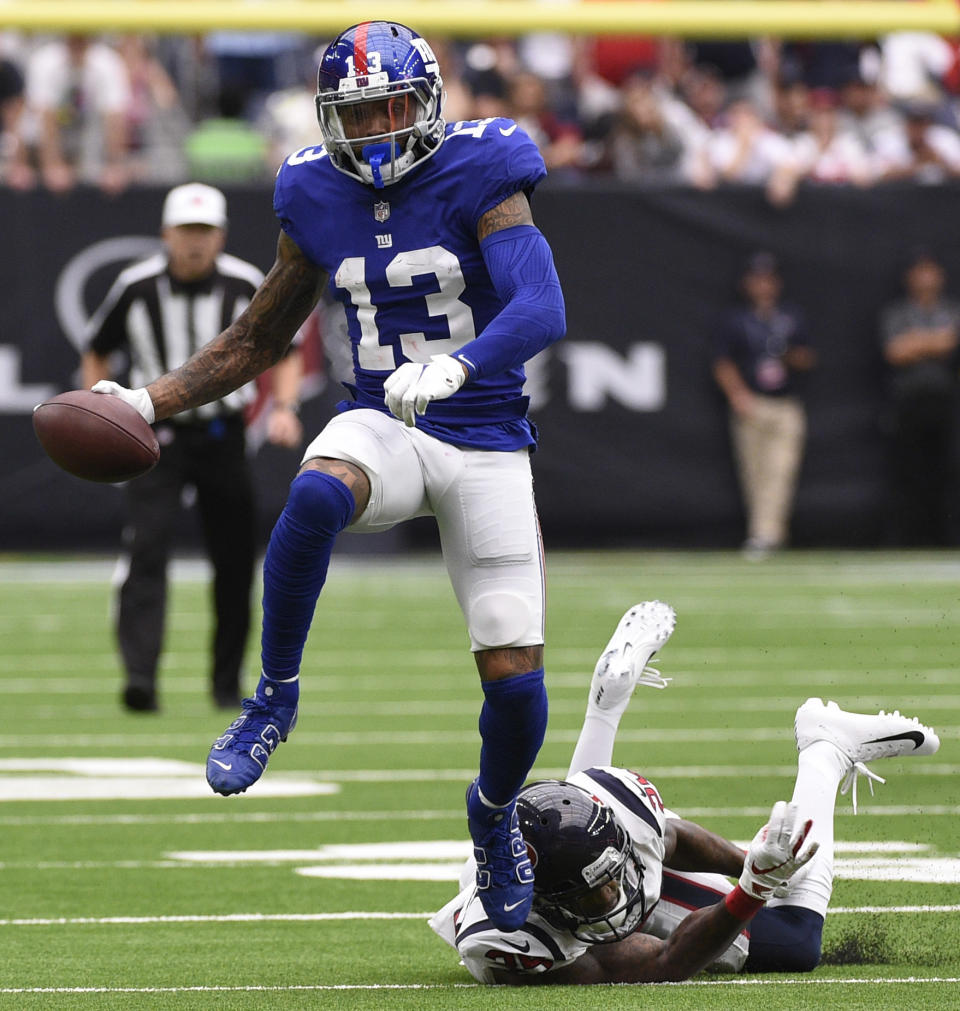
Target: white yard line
[
  {"x": 452, "y": 814},
  {"x": 113, "y": 921},
  {"x": 294, "y": 988}
]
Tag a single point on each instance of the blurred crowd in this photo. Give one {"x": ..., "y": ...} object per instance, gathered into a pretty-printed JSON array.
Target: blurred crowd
[{"x": 228, "y": 107}]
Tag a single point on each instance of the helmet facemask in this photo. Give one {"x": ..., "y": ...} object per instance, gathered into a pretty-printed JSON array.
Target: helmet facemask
[{"x": 596, "y": 914}]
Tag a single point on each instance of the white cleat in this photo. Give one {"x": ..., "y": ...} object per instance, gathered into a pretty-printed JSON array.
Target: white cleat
[
  {"x": 623, "y": 665},
  {"x": 862, "y": 737}
]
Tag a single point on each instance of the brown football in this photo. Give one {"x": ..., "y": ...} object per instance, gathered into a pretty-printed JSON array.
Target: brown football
[{"x": 95, "y": 436}]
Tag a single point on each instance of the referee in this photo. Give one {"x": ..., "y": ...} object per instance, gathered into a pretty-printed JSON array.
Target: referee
[{"x": 159, "y": 312}]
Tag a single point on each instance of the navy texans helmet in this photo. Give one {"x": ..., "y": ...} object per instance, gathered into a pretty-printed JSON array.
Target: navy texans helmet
[
  {"x": 379, "y": 98},
  {"x": 577, "y": 846}
]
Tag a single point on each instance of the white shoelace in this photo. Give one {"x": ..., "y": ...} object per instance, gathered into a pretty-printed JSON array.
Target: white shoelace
[
  {"x": 651, "y": 676},
  {"x": 849, "y": 782}
]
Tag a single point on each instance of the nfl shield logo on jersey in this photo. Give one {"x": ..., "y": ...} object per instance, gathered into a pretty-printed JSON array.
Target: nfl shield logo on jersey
[{"x": 381, "y": 211}]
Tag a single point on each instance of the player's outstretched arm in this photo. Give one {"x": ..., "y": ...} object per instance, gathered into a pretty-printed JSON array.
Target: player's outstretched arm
[
  {"x": 250, "y": 345},
  {"x": 688, "y": 847},
  {"x": 699, "y": 940}
]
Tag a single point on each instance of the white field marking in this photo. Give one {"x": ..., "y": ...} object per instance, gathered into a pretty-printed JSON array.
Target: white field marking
[
  {"x": 432, "y": 849},
  {"x": 435, "y": 850},
  {"x": 413, "y": 738},
  {"x": 323, "y": 987},
  {"x": 453, "y": 814},
  {"x": 57, "y": 788},
  {"x": 942, "y": 870},
  {"x": 224, "y": 818},
  {"x": 929, "y": 871},
  {"x": 304, "y": 784},
  {"x": 829, "y": 682},
  {"x": 567, "y": 667},
  {"x": 289, "y": 988},
  {"x": 122, "y": 921},
  {"x": 129, "y": 779},
  {"x": 385, "y": 872},
  {"x": 650, "y": 771},
  {"x": 442, "y": 861},
  {"x": 144, "y": 767}
]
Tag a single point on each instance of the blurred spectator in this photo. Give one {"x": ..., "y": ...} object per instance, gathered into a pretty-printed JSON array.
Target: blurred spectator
[
  {"x": 78, "y": 94},
  {"x": 820, "y": 64},
  {"x": 702, "y": 100},
  {"x": 704, "y": 91},
  {"x": 735, "y": 61},
  {"x": 560, "y": 142},
  {"x": 289, "y": 120},
  {"x": 252, "y": 65},
  {"x": 156, "y": 122},
  {"x": 456, "y": 96},
  {"x": 913, "y": 66},
  {"x": 745, "y": 150},
  {"x": 865, "y": 112},
  {"x": 923, "y": 151},
  {"x": 827, "y": 153},
  {"x": 824, "y": 153},
  {"x": 758, "y": 349},
  {"x": 14, "y": 170},
  {"x": 488, "y": 69},
  {"x": 791, "y": 106},
  {"x": 646, "y": 143},
  {"x": 227, "y": 148},
  {"x": 489, "y": 94},
  {"x": 919, "y": 335}
]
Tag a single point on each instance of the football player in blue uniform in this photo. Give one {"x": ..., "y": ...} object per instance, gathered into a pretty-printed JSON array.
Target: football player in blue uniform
[{"x": 423, "y": 231}]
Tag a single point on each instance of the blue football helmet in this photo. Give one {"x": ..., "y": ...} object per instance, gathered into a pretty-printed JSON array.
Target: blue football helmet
[
  {"x": 587, "y": 879},
  {"x": 379, "y": 99}
]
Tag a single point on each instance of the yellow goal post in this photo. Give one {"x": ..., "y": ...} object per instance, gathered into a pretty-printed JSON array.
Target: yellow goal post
[{"x": 714, "y": 19}]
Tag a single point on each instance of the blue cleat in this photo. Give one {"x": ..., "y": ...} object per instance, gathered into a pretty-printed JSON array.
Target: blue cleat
[
  {"x": 240, "y": 754},
  {"x": 504, "y": 871}
]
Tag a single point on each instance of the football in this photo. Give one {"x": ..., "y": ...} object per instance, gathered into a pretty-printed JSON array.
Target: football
[{"x": 95, "y": 436}]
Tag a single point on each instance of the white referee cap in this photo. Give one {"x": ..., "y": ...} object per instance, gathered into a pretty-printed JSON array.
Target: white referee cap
[{"x": 194, "y": 204}]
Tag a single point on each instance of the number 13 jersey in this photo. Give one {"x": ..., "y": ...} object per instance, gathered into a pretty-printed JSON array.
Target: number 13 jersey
[{"x": 406, "y": 264}]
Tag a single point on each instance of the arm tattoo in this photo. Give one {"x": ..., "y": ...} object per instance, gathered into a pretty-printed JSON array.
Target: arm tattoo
[
  {"x": 250, "y": 345},
  {"x": 514, "y": 210}
]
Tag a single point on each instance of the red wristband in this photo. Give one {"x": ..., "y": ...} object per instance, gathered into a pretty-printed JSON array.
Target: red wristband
[{"x": 744, "y": 907}]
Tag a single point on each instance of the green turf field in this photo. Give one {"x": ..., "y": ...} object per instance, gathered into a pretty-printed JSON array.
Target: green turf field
[{"x": 125, "y": 883}]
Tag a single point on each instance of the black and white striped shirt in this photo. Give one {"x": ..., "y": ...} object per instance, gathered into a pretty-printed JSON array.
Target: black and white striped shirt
[{"x": 161, "y": 322}]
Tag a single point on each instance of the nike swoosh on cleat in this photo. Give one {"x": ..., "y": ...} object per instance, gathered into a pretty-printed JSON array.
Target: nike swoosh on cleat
[
  {"x": 513, "y": 905},
  {"x": 520, "y": 947},
  {"x": 508, "y": 131},
  {"x": 223, "y": 765},
  {"x": 910, "y": 735}
]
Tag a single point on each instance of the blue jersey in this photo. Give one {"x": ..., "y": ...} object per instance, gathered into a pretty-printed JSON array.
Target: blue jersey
[{"x": 406, "y": 265}]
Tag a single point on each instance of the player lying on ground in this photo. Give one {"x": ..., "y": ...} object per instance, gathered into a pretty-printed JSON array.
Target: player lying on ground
[{"x": 625, "y": 891}]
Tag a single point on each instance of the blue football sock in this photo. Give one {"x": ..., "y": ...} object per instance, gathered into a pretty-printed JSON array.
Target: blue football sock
[
  {"x": 784, "y": 939},
  {"x": 295, "y": 567},
  {"x": 512, "y": 724}
]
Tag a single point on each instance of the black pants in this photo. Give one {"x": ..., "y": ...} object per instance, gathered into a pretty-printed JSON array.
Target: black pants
[
  {"x": 923, "y": 471},
  {"x": 212, "y": 458}
]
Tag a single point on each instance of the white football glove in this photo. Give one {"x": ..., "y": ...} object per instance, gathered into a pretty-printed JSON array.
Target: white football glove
[
  {"x": 777, "y": 853},
  {"x": 409, "y": 389},
  {"x": 139, "y": 399}
]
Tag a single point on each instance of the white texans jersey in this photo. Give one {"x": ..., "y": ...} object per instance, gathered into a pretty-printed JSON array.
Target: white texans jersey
[{"x": 539, "y": 946}]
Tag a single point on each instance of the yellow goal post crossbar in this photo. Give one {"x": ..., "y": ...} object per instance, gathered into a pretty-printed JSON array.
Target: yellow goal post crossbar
[{"x": 811, "y": 19}]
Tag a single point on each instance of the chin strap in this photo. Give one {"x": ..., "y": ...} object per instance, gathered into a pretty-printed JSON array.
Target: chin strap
[{"x": 374, "y": 155}]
